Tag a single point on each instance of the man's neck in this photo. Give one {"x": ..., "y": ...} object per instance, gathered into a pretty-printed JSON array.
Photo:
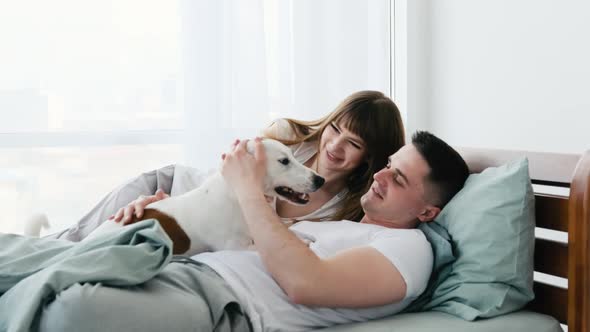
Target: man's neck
[{"x": 389, "y": 223}]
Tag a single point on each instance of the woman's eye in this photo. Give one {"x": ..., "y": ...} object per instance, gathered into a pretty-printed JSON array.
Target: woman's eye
[
  {"x": 284, "y": 161},
  {"x": 356, "y": 145},
  {"x": 334, "y": 127}
]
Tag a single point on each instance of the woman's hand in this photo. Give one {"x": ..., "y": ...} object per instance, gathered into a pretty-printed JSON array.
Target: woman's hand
[
  {"x": 245, "y": 172},
  {"x": 136, "y": 207}
]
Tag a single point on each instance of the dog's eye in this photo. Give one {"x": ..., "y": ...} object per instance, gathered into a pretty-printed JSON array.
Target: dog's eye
[{"x": 284, "y": 161}]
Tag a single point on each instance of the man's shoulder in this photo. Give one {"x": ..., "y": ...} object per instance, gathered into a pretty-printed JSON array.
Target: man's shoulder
[{"x": 412, "y": 238}]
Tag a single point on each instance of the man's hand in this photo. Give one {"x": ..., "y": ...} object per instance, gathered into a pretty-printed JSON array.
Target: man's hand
[
  {"x": 125, "y": 214},
  {"x": 245, "y": 172}
]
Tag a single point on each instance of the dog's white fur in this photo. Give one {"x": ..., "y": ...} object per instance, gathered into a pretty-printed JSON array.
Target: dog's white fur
[{"x": 211, "y": 216}]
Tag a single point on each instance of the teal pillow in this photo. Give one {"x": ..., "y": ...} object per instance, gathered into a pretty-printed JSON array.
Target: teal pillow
[{"x": 490, "y": 226}]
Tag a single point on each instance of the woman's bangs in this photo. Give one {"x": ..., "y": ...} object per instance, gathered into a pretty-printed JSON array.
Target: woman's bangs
[{"x": 361, "y": 124}]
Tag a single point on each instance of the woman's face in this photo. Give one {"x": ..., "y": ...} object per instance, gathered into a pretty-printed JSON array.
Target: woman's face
[{"x": 340, "y": 150}]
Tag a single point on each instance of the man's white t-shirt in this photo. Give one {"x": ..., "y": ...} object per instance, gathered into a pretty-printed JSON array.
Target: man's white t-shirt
[{"x": 269, "y": 308}]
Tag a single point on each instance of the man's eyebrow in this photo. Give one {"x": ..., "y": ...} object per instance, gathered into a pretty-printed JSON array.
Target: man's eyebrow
[{"x": 402, "y": 175}]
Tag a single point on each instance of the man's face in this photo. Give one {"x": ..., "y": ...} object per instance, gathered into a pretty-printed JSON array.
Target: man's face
[{"x": 396, "y": 197}]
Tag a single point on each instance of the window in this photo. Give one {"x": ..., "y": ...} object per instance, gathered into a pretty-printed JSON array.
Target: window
[
  {"x": 93, "y": 93},
  {"x": 90, "y": 94}
]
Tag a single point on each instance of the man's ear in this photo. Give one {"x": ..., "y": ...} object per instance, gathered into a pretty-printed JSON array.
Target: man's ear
[{"x": 429, "y": 213}]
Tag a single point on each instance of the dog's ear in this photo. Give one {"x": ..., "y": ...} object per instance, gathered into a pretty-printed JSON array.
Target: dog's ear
[{"x": 250, "y": 146}]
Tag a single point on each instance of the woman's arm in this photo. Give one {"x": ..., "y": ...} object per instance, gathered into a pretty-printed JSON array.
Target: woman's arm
[
  {"x": 144, "y": 184},
  {"x": 136, "y": 207}
]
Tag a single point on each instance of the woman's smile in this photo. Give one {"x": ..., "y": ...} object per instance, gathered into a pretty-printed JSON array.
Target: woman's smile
[{"x": 332, "y": 158}]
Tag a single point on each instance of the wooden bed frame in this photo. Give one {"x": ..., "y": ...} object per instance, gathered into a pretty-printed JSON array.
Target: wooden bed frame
[{"x": 569, "y": 214}]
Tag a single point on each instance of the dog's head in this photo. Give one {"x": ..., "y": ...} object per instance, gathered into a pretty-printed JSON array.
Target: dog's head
[{"x": 286, "y": 178}]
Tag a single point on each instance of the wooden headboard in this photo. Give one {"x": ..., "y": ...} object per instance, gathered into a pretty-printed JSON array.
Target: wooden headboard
[{"x": 558, "y": 212}]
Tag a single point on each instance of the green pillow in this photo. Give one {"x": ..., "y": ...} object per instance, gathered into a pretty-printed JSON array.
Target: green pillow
[{"x": 490, "y": 224}]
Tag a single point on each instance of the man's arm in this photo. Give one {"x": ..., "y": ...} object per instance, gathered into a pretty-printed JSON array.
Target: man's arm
[{"x": 357, "y": 277}]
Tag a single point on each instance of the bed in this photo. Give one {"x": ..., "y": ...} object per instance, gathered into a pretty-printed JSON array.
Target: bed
[
  {"x": 561, "y": 184},
  {"x": 565, "y": 209}
]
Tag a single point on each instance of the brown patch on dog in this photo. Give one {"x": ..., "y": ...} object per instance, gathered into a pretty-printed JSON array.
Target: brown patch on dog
[{"x": 181, "y": 241}]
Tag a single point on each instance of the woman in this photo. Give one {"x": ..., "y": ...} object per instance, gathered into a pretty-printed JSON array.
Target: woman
[{"x": 346, "y": 147}]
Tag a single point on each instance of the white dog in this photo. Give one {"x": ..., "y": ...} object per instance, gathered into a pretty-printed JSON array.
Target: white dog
[{"x": 209, "y": 218}]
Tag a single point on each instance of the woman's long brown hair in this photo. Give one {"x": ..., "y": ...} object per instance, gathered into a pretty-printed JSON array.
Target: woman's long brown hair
[{"x": 373, "y": 117}]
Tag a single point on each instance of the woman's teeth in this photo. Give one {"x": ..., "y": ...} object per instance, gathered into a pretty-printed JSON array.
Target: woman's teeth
[{"x": 331, "y": 157}]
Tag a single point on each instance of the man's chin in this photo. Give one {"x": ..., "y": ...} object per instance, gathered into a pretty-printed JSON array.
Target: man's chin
[{"x": 365, "y": 200}]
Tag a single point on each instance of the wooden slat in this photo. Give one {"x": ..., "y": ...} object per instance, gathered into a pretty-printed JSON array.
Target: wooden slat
[
  {"x": 551, "y": 258},
  {"x": 550, "y": 300},
  {"x": 579, "y": 243},
  {"x": 552, "y": 212},
  {"x": 551, "y": 167}
]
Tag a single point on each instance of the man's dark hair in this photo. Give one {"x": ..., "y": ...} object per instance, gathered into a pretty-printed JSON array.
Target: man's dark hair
[{"x": 448, "y": 170}]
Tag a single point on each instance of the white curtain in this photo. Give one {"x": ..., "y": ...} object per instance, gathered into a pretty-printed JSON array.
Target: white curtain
[
  {"x": 94, "y": 92},
  {"x": 247, "y": 62}
]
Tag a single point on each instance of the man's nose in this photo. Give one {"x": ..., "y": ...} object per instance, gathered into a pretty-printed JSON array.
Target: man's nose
[{"x": 380, "y": 174}]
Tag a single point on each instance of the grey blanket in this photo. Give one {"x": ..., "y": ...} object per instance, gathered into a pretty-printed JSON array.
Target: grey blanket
[{"x": 33, "y": 270}]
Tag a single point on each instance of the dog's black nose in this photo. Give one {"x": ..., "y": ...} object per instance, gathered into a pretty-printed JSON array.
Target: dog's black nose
[{"x": 318, "y": 181}]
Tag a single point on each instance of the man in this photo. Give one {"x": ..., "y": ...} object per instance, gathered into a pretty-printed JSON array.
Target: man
[{"x": 311, "y": 275}]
